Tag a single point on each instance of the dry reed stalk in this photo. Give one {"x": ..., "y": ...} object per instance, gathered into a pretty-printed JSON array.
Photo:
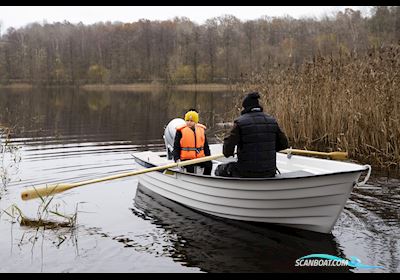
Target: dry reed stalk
[{"x": 349, "y": 102}]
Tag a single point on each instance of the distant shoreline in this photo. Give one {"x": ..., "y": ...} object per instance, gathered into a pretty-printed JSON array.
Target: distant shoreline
[
  {"x": 150, "y": 87},
  {"x": 17, "y": 86},
  {"x": 133, "y": 87}
]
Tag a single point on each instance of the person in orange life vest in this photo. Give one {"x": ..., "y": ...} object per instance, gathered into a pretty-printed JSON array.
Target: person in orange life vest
[{"x": 191, "y": 142}]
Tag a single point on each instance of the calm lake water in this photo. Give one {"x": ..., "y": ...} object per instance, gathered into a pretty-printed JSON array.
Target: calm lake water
[{"x": 67, "y": 135}]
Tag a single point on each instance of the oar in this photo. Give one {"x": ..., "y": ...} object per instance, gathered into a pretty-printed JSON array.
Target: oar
[
  {"x": 332, "y": 155},
  {"x": 31, "y": 193}
]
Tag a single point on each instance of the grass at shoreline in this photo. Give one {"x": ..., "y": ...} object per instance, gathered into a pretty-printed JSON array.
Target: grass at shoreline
[
  {"x": 17, "y": 86},
  {"x": 156, "y": 86},
  {"x": 134, "y": 87}
]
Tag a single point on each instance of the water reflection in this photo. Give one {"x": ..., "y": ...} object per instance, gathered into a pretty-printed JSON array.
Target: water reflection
[
  {"x": 69, "y": 135},
  {"x": 65, "y": 113},
  {"x": 369, "y": 226},
  {"x": 220, "y": 245}
]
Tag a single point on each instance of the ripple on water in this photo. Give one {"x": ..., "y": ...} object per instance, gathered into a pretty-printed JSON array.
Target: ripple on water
[{"x": 121, "y": 229}]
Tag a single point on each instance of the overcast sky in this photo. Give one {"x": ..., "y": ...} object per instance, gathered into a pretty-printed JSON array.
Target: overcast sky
[{"x": 18, "y": 16}]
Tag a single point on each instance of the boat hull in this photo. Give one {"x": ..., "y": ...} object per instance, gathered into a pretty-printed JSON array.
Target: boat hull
[{"x": 310, "y": 203}]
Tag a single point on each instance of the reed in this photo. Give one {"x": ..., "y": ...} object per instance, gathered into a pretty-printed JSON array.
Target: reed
[
  {"x": 346, "y": 102},
  {"x": 48, "y": 216},
  {"x": 9, "y": 157},
  {"x": 43, "y": 222}
]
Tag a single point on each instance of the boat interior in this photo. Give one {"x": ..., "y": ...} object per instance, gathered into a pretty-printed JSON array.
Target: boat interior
[{"x": 289, "y": 166}]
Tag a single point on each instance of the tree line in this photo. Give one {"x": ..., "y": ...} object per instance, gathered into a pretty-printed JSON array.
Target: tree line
[{"x": 222, "y": 50}]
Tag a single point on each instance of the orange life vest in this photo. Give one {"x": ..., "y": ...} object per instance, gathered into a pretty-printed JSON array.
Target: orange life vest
[{"x": 192, "y": 142}]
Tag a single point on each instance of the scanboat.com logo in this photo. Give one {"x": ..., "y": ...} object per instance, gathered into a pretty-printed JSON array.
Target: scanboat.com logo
[{"x": 329, "y": 260}]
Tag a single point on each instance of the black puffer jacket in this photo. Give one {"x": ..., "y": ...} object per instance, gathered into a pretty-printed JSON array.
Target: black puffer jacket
[{"x": 258, "y": 138}]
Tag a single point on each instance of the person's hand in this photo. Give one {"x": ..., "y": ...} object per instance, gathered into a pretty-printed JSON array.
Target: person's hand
[{"x": 180, "y": 168}]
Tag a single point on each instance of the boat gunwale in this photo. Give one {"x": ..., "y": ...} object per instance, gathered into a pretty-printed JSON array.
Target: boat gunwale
[{"x": 147, "y": 164}]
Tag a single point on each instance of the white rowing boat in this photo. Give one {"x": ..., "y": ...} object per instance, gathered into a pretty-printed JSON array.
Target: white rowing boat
[{"x": 309, "y": 193}]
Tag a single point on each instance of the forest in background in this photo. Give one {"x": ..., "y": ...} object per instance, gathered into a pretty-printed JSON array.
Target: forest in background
[
  {"x": 179, "y": 51},
  {"x": 333, "y": 83}
]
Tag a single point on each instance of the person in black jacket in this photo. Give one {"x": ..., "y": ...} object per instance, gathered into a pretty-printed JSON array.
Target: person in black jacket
[{"x": 258, "y": 137}]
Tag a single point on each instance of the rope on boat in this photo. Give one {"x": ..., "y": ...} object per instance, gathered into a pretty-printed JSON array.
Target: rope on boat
[{"x": 359, "y": 184}]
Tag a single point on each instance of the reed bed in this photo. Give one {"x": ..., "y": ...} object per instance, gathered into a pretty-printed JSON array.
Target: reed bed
[{"x": 346, "y": 102}]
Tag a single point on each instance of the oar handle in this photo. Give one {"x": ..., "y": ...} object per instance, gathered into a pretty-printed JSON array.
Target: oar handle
[
  {"x": 332, "y": 155},
  {"x": 199, "y": 160}
]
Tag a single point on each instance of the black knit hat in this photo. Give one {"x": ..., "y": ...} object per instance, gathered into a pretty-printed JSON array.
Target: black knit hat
[{"x": 251, "y": 100}]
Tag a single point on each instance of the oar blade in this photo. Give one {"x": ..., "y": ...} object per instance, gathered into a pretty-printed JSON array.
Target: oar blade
[{"x": 33, "y": 192}]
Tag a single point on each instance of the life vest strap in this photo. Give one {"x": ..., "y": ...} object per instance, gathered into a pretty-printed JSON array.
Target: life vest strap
[{"x": 198, "y": 150}]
